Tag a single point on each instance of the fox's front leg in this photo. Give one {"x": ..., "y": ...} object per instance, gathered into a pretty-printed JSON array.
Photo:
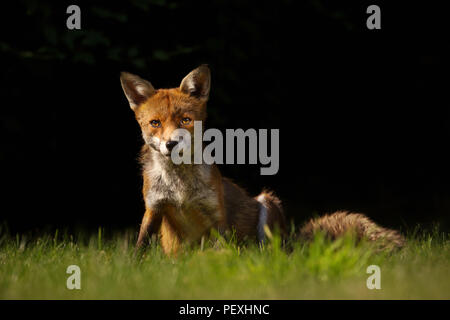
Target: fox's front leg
[{"x": 151, "y": 223}]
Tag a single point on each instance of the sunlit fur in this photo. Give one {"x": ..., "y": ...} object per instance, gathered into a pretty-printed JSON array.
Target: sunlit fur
[{"x": 339, "y": 223}]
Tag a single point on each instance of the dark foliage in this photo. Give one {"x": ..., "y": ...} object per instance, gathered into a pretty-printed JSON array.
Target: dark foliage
[{"x": 363, "y": 115}]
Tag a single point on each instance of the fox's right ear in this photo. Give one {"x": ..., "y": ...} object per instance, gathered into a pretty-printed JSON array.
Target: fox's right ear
[{"x": 137, "y": 90}]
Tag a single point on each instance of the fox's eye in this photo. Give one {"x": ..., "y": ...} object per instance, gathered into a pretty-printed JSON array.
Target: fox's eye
[
  {"x": 155, "y": 123},
  {"x": 185, "y": 121}
]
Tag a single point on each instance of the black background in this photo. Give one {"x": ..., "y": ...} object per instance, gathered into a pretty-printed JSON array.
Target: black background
[
  {"x": 363, "y": 114},
  {"x": 351, "y": 309}
]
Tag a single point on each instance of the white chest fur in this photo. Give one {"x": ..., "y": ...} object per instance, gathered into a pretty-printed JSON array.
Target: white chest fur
[{"x": 183, "y": 186}]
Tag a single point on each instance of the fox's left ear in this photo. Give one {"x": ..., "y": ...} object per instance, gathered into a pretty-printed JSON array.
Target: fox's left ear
[{"x": 197, "y": 83}]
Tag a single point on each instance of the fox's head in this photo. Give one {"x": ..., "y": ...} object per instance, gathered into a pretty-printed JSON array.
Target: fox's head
[{"x": 160, "y": 112}]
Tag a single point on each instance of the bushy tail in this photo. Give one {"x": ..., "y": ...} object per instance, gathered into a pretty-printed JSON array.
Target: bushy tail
[{"x": 337, "y": 224}]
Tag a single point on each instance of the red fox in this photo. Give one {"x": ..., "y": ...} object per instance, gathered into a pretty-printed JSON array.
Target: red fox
[{"x": 184, "y": 202}]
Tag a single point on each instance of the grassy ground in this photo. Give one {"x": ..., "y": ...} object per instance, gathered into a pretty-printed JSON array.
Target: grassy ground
[{"x": 35, "y": 268}]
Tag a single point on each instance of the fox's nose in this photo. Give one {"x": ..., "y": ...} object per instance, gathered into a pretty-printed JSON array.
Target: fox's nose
[{"x": 171, "y": 144}]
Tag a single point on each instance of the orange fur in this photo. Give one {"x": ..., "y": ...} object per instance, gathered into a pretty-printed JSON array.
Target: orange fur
[
  {"x": 184, "y": 202},
  {"x": 225, "y": 206}
]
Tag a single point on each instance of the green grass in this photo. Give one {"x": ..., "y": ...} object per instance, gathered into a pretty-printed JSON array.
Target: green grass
[{"x": 35, "y": 268}]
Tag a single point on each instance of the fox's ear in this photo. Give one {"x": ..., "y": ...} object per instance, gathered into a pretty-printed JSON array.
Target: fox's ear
[
  {"x": 136, "y": 89},
  {"x": 197, "y": 83}
]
